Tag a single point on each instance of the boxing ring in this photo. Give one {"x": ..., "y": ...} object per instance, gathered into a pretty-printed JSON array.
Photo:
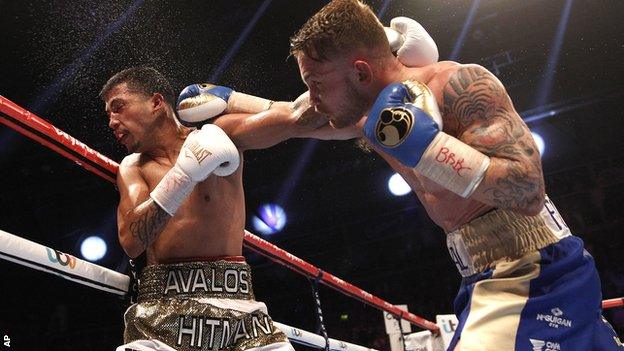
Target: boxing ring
[{"x": 27, "y": 253}]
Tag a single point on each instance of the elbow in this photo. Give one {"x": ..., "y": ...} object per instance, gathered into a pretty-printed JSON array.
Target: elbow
[
  {"x": 131, "y": 247},
  {"x": 534, "y": 206},
  {"x": 133, "y": 254}
]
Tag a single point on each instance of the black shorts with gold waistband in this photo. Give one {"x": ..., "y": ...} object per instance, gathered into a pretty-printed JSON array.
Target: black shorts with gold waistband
[{"x": 200, "y": 306}]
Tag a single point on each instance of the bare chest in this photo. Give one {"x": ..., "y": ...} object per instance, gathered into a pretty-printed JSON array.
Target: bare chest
[
  {"x": 209, "y": 222},
  {"x": 153, "y": 172}
]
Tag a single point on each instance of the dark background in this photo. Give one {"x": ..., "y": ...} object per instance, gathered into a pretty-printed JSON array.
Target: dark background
[{"x": 55, "y": 56}]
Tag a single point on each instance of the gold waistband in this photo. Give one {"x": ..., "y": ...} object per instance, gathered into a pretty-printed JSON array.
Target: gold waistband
[
  {"x": 503, "y": 235},
  {"x": 212, "y": 279}
]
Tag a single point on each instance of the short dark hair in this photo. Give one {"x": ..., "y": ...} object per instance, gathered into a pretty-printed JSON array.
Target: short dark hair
[
  {"x": 146, "y": 80},
  {"x": 339, "y": 27}
]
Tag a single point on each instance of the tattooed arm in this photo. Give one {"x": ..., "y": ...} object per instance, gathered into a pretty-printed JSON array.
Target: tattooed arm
[
  {"x": 139, "y": 218},
  {"x": 477, "y": 106}
]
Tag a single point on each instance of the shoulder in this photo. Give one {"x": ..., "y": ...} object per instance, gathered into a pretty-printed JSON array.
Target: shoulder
[
  {"x": 455, "y": 75},
  {"x": 471, "y": 94},
  {"x": 131, "y": 165},
  {"x": 130, "y": 161},
  {"x": 469, "y": 83}
]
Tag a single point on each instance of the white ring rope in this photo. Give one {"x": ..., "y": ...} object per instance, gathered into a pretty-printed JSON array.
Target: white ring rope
[{"x": 33, "y": 255}]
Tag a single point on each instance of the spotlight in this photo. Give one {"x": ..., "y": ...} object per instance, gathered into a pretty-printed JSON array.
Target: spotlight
[
  {"x": 93, "y": 248},
  {"x": 271, "y": 219},
  {"x": 398, "y": 186},
  {"x": 539, "y": 141}
]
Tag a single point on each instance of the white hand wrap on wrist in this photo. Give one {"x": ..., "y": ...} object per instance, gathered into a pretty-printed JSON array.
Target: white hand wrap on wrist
[
  {"x": 453, "y": 164},
  {"x": 172, "y": 189},
  {"x": 244, "y": 103}
]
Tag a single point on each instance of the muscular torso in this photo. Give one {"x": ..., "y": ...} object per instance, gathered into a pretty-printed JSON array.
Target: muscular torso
[
  {"x": 209, "y": 223},
  {"x": 446, "y": 209}
]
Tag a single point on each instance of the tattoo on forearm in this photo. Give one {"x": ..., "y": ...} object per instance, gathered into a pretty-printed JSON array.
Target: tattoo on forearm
[
  {"x": 478, "y": 106},
  {"x": 148, "y": 225},
  {"x": 498, "y": 136},
  {"x": 517, "y": 189}
]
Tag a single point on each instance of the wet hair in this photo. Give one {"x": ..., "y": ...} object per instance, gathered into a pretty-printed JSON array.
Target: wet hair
[
  {"x": 145, "y": 80},
  {"x": 338, "y": 28}
]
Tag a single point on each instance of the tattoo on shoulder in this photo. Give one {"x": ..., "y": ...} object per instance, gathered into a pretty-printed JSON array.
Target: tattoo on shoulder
[
  {"x": 478, "y": 102},
  {"x": 147, "y": 226},
  {"x": 471, "y": 93}
]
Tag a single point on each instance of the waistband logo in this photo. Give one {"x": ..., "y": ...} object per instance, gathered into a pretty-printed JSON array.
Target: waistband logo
[
  {"x": 221, "y": 333},
  {"x": 190, "y": 281},
  {"x": 554, "y": 215},
  {"x": 456, "y": 257}
]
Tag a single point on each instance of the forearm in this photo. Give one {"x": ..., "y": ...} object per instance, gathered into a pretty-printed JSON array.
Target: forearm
[
  {"x": 265, "y": 129},
  {"x": 299, "y": 112},
  {"x": 513, "y": 185},
  {"x": 141, "y": 227},
  {"x": 514, "y": 182},
  {"x": 245, "y": 103},
  {"x": 327, "y": 132}
]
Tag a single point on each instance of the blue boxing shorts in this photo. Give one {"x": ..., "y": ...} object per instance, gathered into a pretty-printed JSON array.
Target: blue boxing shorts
[{"x": 528, "y": 284}]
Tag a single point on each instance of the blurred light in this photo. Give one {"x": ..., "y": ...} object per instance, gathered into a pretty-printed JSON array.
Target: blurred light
[
  {"x": 93, "y": 248},
  {"x": 384, "y": 7},
  {"x": 539, "y": 141},
  {"x": 271, "y": 219},
  {"x": 398, "y": 186},
  {"x": 290, "y": 182},
  {"x": 225, "y": 60},
  {"x": 344, "y": 317},
  {"x": 459, "y": 43},
  {"x": 545, "y": 87}
]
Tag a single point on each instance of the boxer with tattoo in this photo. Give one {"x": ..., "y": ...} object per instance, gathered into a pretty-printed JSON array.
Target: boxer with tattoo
[
  {"x": 182, "y": 203},
  {"x": 452, "y": 132}
]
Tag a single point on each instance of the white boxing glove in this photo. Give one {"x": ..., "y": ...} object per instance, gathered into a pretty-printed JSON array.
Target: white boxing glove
[
  {"x": 204, "y": 152},
  {"x": 413, "y": 45}
]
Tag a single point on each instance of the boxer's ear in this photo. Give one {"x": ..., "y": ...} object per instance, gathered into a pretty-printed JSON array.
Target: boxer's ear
[
  {"x": 363, "y": 71},
  {"x": 157, "y": 102}
]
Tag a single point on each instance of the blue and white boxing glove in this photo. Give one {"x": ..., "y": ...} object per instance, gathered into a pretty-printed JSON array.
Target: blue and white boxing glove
[
  {"x": 405, "y": 122},
  {"x": 199, "y": 103}
]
